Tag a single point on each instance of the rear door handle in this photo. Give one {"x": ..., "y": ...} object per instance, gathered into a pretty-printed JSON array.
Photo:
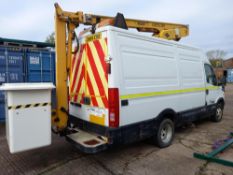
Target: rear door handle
[{"x": 87, "y": 100}]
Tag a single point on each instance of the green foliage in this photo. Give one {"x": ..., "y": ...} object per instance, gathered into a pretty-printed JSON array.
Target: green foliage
[
  {"x": 217, "y": 63},
  {"x": 216, "y": 57},
  {"x": 50, "y": 38}
]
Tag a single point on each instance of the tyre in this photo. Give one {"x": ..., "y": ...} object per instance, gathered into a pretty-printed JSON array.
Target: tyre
[
  {"x": 218, "y": 113},
  {"x": 165, "y": 133}
]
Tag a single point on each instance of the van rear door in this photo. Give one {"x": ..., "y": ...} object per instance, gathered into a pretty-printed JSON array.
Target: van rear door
[{"x": 89, "y": 79}]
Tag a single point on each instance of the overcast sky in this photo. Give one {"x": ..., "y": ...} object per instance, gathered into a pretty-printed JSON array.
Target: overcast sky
[{"x": 210, "y": 21}]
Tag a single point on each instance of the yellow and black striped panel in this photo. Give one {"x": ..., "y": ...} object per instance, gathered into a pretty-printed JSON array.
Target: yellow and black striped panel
[{"x": 28, "y": 106}]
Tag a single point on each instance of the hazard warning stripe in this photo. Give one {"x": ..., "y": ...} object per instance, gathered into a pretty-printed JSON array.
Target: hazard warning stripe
[
  {"x": 80, "y": 81},
  {"x": 99, "y": 49},
  {"x": 94, "y": 85},
  {"x": 96, "y": 73},
  {"x": 97, "y": 76},
  {"x": 97, "y": 66},
  {"x": 28, "y": 106},
  {"x": 74, "y": 64},
  {"x": 91, "y": 90},
  {"x": 75, "y": 72},
  {"x": 76, "y": 67},
  {"x": 104, "y": 47},
  {"x": 89, "y": 74},
  {"x": 100, "y": 63},
  {"x": 78, "y": 70}
]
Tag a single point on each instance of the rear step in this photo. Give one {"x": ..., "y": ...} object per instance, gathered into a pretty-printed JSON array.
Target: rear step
[{"x": 87, "y": 142}]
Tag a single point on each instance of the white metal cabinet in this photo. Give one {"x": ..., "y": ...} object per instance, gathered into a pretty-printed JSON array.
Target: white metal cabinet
[{"x": 28, "y": 115}]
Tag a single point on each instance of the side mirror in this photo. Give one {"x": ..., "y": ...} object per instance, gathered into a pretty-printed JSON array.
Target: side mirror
[
  {"x": 208, "y": 79},
  {"x": 215, "y": 81},
  {"x": 223, "y": 81}
]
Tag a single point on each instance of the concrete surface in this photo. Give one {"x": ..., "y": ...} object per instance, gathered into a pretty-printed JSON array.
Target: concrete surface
[{"x": 139, "y": 158}]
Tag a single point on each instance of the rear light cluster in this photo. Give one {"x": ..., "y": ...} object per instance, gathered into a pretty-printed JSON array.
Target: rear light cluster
[{"x": 113, "y": 104}]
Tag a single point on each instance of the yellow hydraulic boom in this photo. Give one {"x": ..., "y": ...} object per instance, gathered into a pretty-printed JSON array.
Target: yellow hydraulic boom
[{"x": 66, "y": 22}]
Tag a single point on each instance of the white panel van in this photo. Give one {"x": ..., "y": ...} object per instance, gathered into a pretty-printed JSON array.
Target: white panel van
[{"x": 128, "y": 87}]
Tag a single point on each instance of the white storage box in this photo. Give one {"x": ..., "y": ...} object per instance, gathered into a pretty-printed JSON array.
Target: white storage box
[{"x": 28, "y": 115}]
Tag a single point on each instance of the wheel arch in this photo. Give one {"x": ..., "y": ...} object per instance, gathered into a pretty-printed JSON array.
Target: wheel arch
[
  {"x": 168, "y": 113},
  {"x": 221, "y": 100}
]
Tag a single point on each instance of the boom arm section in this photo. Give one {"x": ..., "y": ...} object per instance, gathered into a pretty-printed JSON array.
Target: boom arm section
[
  {"x": 66, "y": 22},
  {"x": 164, "y": 30},
  {"x": 63, "y": 62}
]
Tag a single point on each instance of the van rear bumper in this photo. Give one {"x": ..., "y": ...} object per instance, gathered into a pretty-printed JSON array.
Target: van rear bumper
[{"x": 121, "y": 135}]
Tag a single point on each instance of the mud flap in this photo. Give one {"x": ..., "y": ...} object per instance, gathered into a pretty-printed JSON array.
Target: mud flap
[{"x": 87, "y": 142}]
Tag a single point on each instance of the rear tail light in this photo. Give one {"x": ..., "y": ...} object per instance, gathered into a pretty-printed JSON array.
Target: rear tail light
[{"x": 113, "y": 103}]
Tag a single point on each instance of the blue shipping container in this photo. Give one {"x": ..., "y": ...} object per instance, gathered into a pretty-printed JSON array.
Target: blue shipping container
[
  {"x": 229, "y": 75},
  {"x": 2, "y": 107},
  {"x": 11, "y": 65},
  {"x": 21, "y": 65},
  {"x": 40, "y": 66},
  {"x": 11, "y": 70}
]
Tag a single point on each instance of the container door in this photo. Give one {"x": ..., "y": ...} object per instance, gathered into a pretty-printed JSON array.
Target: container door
[
  {"x": 15, "y": 65},
  {"x": 89, "y": 81},
  {"x": 2, "y": 65},
  {"x": 3, "y": 79},
  {"x": 96, "y": 84},
  {"x": 47, "y": 66},
  {"x": 34, "y": 73},
  {"x": 11, "y": 65},
  {"x": 11, "y": 71},
  {"x": 2, "y": 107}
]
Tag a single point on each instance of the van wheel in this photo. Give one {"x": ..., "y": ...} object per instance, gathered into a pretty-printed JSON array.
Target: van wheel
[
  {"x": 165, "y": 133},
  {"x": 218, "y": 113}
]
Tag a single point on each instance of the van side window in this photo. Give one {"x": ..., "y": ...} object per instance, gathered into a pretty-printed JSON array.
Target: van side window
[{"x": 210, "y": 76}]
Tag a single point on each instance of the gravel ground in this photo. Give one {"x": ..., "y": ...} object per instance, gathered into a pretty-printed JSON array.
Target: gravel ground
[{"x": 138, "y": 158}]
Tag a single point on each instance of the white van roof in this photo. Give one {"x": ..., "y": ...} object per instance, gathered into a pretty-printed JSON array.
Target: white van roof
[
  {"x": 149, "y": 38},
  {"x": 140, "y": 34}
]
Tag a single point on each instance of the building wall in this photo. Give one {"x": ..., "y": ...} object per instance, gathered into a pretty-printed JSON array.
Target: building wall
[
  {"x": 219, "y": 72},
  {"x": 228, "y": 64}
]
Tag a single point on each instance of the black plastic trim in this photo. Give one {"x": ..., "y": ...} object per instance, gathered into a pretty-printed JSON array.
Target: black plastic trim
[
  {"x": 76, "y": 104},
  {"x": 124, "y": 102},
  {"x": 141, "y": 130}
]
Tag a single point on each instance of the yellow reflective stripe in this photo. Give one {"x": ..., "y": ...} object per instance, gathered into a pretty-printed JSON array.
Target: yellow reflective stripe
[
  {"x": 94, "y": 85},
  {"x": 74, "y": 67},
  {"x": 170, "y": 92},
  {"x": 212, "y": 87},
  {"x": 81, "y": 90},
  {"x": 99, "y": 67},
  {"x": 104, "y": 46},
  {"x": 79, "y": 78}
]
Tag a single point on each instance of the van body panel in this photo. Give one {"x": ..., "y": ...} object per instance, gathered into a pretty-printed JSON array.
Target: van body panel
[
  {"x": 152, "y": 75},
  {"x": 154, "y": 66}
]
